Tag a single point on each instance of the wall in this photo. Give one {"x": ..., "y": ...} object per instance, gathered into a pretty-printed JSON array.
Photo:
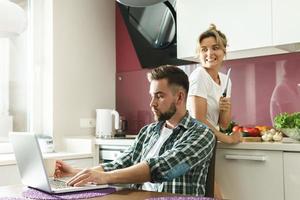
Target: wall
[{"x": 84, "y": 62}]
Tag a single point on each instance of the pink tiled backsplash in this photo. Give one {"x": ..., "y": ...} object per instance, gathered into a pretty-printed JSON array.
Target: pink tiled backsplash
[{"x": 261, "y": 88}]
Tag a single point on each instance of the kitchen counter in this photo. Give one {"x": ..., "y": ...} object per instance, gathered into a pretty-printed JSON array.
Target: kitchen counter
[
  {"x": 272, "y": 146},
  {"x": 127, "y": 141},
  {"x": 9, "y": 159}
]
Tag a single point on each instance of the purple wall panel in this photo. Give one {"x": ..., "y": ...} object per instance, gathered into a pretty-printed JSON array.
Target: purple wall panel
[
  {"x": 133, "y": 99},
  {"x": 126, "y": 57},
  {"x": 254, "y": 81}
]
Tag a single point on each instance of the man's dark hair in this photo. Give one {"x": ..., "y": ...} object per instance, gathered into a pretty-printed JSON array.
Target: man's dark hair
[{"x": 174, "y": 76}]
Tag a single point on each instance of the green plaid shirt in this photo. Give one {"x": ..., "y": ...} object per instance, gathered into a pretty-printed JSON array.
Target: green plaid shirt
[{"x": 183, "y": 160}]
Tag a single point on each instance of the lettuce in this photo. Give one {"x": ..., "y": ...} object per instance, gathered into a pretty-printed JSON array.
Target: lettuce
[{"x": 286, "y": 120}]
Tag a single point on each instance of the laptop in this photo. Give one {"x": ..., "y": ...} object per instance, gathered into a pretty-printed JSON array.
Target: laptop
[{"x": 32, "y": 169}]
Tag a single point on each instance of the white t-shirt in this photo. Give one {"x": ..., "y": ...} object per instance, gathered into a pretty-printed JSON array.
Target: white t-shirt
[
  {"x": 202, "y": 85},
  {"x": 154, "y": 152}
]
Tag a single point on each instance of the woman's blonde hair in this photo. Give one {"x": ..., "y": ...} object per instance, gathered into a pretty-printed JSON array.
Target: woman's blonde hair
[{"x": 213, "y": 32}]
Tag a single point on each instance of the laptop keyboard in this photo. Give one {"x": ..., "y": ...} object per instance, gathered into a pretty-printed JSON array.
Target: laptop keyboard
[{"x": 58, "y": 184}]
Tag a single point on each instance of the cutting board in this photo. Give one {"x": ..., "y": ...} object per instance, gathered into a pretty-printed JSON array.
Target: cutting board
[{"x": 251, "y": 139}]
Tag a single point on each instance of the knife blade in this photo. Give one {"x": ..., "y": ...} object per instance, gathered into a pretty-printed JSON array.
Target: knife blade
[{"x": 226, "y": 83}]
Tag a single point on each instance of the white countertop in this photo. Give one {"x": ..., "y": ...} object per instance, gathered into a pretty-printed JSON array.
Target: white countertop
[
  {"x": 116, "y": 141},
  {"x": 272, "y": 146}
]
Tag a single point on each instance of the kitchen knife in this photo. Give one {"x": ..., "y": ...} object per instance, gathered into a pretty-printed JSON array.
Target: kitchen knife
[{"x": 226, "y": 83}]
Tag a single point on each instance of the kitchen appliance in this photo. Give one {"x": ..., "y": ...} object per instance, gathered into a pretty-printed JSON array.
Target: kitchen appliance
[
  {"x": 152, "y": 30},
  {"x": 46, "y": 143},
  {"x": 123, "y": 126},
  {"x": 106, "y": 118}
]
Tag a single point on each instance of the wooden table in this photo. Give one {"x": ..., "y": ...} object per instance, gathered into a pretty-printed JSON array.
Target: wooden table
[{"x": 16, "y": 191}]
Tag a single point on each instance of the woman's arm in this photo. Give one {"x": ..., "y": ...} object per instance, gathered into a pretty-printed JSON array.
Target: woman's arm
[{"x": 199, "y": 110}]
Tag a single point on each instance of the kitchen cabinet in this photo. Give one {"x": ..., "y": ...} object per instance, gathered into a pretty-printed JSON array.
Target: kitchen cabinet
[
  {"x": 291, "y": 175},
  {"x": 9, "y": 175},
  {"x": 110, "y": 149},
  {"x": 285, "y": 24},
  {"x": 245, "y": 28},
  {"x": 250, "y": 174},
  {"x": 249, "y": 31}
]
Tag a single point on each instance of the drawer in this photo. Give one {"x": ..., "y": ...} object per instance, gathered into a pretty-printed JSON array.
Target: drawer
[{"x": 250, "y": 174}]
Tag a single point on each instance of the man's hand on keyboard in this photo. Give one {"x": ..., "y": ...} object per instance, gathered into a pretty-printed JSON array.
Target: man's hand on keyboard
[{"x": 88, "y": 177}]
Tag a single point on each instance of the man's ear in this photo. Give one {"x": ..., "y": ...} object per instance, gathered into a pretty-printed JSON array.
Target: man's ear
[{"x": 181, "y": 96}]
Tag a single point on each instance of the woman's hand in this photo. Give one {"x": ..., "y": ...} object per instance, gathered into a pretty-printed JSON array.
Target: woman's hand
[
  {"x": 62, "y": 170},
  {"x": 225, "y": 104},
  {"x": 235, "y": 138},
  {"x": 225, "y": 112}
]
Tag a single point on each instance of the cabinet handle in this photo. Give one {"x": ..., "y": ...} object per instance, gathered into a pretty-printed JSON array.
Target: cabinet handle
[{"x": 245, "y": 157}]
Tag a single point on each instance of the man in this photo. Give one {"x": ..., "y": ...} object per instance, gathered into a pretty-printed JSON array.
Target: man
[{"x": 170, "y": 155}]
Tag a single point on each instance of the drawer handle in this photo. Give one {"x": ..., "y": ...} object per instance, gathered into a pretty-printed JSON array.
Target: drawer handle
[{"x": 245, "y": 157}]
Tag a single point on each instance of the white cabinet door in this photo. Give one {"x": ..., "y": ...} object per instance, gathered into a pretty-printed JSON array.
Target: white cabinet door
[
  {"x": 291, "y": 175},
  {"x": 9, "y": 175},
  {"x": 250, "y": 174},
  {"x": 286, "y": 21},
  {"x": 245, "y": 28}
]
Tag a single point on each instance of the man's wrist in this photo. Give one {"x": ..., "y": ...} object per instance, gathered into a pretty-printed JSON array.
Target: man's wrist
[
  {"x": 98, "y": 168},
  {"x": 76, "y": 170}
]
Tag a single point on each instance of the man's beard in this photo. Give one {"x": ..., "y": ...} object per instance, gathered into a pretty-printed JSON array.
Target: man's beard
[{"x": 166, "y": 115}]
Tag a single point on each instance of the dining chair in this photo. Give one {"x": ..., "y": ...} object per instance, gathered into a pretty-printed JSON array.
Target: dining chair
[{"x": 210, "y": 179}]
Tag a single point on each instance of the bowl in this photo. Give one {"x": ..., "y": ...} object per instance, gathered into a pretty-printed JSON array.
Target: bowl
[{"x": 293, "y": 133}]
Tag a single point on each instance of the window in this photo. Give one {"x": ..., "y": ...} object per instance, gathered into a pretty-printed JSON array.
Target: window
[{"x": 26, "y": 74}]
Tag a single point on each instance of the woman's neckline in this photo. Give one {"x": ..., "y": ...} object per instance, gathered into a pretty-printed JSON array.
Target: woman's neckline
[{"x": 211, "y": 78}]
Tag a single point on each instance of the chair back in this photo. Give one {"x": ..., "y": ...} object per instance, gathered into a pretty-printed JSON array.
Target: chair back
[{"x": 210, "y": 179}]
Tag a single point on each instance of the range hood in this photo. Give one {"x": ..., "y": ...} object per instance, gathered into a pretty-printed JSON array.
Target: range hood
[{"x": 152, "y": 30}]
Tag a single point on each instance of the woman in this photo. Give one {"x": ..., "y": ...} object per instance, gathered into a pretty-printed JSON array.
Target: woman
[{"x": 207, "y": 84}]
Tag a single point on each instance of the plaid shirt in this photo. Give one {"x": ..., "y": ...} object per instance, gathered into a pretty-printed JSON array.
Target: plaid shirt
[{"x": 183, "y": 160}]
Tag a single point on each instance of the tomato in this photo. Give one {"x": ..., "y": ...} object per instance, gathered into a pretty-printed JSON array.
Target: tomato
[
  {"x": 252, "y": 132},
  {"x": 237, "y": 129}
]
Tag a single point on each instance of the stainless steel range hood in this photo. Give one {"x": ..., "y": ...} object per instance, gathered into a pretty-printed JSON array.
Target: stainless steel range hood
[
  {"x": 139, "y": 3},
  {"x": 152, "y": 30}
]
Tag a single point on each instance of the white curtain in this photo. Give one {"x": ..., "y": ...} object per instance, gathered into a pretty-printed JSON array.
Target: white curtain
[
  {"x": 26, "y": 73},
  {"x": 40, "y": 68}
]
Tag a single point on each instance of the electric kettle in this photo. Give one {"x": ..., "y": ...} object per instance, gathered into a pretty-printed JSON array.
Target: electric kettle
[{"x": 104, "y": 123}]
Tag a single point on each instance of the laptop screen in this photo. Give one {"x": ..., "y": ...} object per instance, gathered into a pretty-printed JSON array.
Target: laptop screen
[{"x": 29, "y": 160}]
